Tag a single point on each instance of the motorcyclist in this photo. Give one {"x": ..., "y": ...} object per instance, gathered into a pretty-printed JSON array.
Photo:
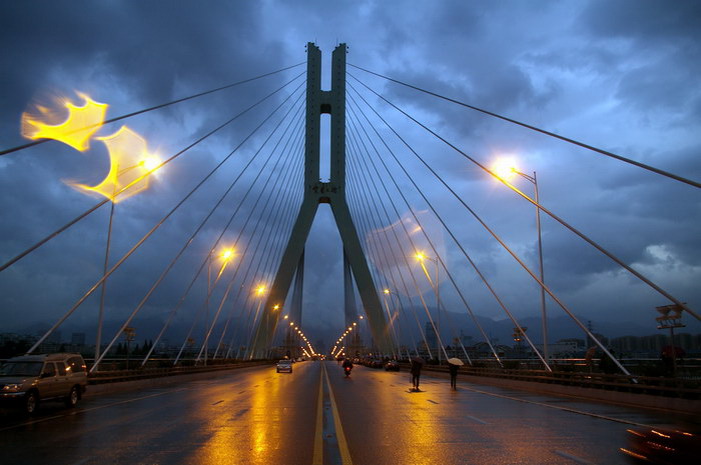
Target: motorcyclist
[{"x": 347, "y": 366}]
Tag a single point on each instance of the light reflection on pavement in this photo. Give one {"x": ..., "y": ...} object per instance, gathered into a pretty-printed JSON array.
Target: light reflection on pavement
[{"x": 257, "y": 416}]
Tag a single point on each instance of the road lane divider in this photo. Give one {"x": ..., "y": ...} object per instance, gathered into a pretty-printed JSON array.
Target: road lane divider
[
  {"x": 80, "y": 411},
  {"x": 573, "y": 458},
  {"x": 318, "y": 458},
  {"x": 475, "y": 419},
  {"x": 558, "y": 407},
  {"x": 340, "y": 436}
]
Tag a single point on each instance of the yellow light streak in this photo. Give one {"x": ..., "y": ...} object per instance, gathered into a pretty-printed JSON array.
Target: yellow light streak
[
  {"x": 128, "y": 173},
  {"x": 75, "y": 131}
]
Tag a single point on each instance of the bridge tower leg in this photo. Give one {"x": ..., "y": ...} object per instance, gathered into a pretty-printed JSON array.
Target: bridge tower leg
[{"x": 333, "y": 192}]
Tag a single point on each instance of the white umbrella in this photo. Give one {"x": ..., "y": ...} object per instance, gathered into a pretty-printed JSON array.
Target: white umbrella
[{"x": 455, "y": 361}]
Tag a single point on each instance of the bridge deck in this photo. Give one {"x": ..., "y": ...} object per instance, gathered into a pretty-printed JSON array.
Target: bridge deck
[{"x": 256, "y": 415}]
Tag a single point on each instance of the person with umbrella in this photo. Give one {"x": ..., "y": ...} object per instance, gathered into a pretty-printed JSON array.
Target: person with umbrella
[
  {"x": 453, "y": 365},
  {"x": 416, "y": 364}
]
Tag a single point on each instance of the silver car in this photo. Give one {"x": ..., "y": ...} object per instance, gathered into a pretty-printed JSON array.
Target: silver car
[
  {"x": 30, "y": 379},
  {"x": 284, "y": 365}
]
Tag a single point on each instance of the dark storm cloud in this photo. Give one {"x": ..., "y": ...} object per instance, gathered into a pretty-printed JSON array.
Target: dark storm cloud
[
  {"x": 145, "y": 43},
  {"x": 617, "y": 74}
]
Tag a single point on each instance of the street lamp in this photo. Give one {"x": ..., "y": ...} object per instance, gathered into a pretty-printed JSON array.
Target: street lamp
[
  {"x": 225, "y": 255},
  {"x": 395, "y": 351},
  {"x": 504, "y": 171},
  {"x": 420, "y": 256},
  {"x": 148, "y": 163}
]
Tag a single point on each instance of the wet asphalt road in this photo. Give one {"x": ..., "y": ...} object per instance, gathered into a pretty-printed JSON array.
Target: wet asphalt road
[{"x": 257, "y": 416}]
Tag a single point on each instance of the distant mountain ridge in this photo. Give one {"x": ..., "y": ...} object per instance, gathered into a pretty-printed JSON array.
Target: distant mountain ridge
[{"x": 559, "y": 327}]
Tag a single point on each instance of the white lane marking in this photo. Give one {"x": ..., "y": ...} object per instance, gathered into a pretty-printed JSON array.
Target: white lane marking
[
  {"x": 573, "y": 457},
  {"x": 78, "y": 412},
  {"x": 476, "y": 419},
  {"x": 565, "y": 409},
  {"x": 85, "y": 460}
]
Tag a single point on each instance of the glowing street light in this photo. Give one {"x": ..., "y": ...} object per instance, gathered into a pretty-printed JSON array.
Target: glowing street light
[
  {"x": 113, "y": 185},
  {"x": 225, "y": 255},
  {"x": 421, "y": 257},
  {"x": 506, "y": 169},
  {"x": 387, "y": 293}
]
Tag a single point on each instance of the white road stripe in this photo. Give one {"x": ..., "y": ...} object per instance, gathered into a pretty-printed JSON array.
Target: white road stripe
[
  {"x": 556, "y": 407},
  {"x": 573, "y": 457},
  {"x": 476, "y": 419},
  {"x": 78, "y": 412}
]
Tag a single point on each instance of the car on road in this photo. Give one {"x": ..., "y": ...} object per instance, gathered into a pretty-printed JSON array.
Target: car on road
[
  {"x": 30, "y": 379},
  {"x": 284, "y": 365},
  {"x": 392, "y": 365}
]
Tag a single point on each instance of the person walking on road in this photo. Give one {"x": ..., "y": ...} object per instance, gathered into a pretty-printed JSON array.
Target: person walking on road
[
  {"x": 453, "y": 365},
  {"x": 453, "y": 376},
  {"x": 416, "y": 364}
]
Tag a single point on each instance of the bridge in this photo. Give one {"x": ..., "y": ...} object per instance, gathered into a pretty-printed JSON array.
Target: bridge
[{"x": 413, "y": 244}]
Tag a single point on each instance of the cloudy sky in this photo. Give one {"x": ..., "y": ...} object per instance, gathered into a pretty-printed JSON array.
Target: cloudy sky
[{"x": 618, "y": 75}]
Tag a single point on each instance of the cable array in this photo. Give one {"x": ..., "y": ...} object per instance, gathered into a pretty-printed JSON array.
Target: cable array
[
  {"x": 367, "y": 196},
  {"x": 168, "y": 215},
  {"x": 389, "y": 203}
]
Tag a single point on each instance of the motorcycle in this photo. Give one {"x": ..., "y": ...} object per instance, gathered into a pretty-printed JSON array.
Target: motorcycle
[{"x": 347, "y": 370}]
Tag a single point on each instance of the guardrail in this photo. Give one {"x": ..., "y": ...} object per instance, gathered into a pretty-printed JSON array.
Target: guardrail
[
  {"x": 669, "y": 387},
  {"x": 116, "y": 376}
]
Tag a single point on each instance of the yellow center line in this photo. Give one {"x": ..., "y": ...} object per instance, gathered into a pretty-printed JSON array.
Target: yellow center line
[
  {"x": 340, "y": 437},
  {"x": 318, "y": 437}
]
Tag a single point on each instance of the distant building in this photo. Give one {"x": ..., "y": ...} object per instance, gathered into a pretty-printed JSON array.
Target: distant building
[
  {"x": 651, "y": 346},
  {"x": 564, "y": 348}
]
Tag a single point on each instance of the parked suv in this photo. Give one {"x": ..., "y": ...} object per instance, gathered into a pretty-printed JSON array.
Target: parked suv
[{"x": 30, "y": 379}]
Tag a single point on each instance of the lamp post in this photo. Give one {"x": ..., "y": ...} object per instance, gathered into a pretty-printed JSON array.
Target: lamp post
[
  {"x": 534, "y": 180},
  {"x": 148, "y": 163},
  {"x": 260, "y": 290},
  {"x": 226, "y": 255},
  {"x": 387, "y": 292},
  {"x": 421, "y": 257}
]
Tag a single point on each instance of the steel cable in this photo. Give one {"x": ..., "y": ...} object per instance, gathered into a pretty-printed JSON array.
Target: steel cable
[
  {"x": 147, "y": 235},
  {"x": 157, "y": 107},
  {"x": 101, "y": 203},
  {"x": 542, "y": 131}
]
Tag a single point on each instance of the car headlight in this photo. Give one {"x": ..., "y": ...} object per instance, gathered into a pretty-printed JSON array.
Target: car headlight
[{"x": 12, "y": 388}]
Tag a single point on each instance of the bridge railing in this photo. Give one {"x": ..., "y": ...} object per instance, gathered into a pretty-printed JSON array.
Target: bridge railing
[
  {"x": 109, "y": 374},
  {"x": 651, "y": 385}
]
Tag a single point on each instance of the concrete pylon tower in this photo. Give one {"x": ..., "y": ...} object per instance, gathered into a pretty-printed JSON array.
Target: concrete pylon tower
[{"x": 333, "y": 192}]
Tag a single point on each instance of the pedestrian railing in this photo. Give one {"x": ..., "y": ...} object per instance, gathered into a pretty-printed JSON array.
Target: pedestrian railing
[
  {"x": 116, "y": 376},
  {"x": 659, "y": 386}
]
